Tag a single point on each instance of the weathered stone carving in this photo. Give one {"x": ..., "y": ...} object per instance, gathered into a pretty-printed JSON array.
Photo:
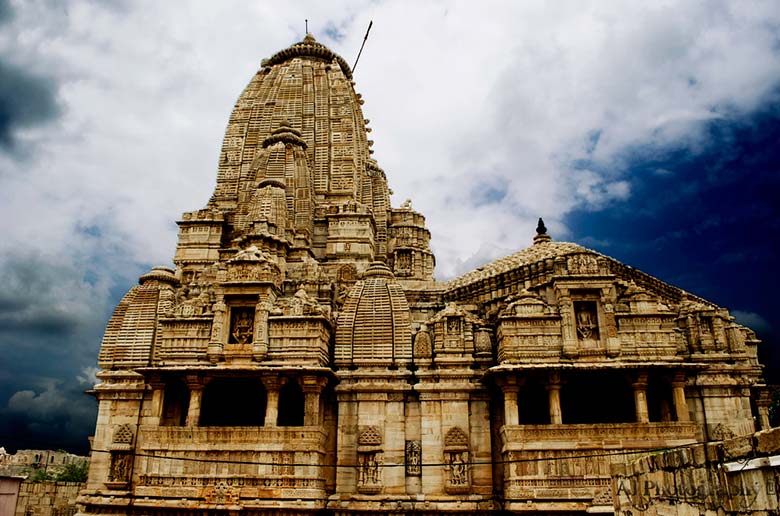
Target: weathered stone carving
[
  {"x": 241, "y": 325},
  {"x": 413, "y": 458},
  {"x": 123, "y": 434},
  {"x": 456, "y": 456},
  {"x": 423, "y": 345},
  {"x": 587, "y": 320},
  {"x": 121, "y": 467}
]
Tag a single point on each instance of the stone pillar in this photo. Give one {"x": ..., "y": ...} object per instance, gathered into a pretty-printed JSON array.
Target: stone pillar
[
  {"x": 554, "y": 398},
  {"x": 312, "y": 387},
  {"x": 640, "y": 398},
  {"x": 196, "y": 385},
  {"x": 763, "y": 400},
  {"x": 678, "y": 397},
  {"x": 260, "y": 335},
  {"x": 568, "y": 325},
  {"x": 272, "y": 385},
  {"x": 511, "y": 411},
  {"x": 155, "y": 408}
]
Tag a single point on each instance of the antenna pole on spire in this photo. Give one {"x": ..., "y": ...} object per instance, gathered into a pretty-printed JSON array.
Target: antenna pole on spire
[
  {"x": 306, "y": 20},
  {"x": 370, "y": 23}
]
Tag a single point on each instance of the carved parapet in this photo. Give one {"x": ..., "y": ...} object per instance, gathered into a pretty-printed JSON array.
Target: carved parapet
[
  {"x": 299, "y": 339},
  {"x": 529, "y": 329},
  {"x": 253, "y": 268}
]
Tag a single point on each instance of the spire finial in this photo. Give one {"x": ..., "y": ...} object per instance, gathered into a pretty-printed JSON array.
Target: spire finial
[{"x": 541, "y": 233}]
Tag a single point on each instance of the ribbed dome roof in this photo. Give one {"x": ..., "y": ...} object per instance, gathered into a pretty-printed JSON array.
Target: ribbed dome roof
[
  {"x": 308, "y": 86},
  {"x": 375, "y": 326},
  {"x": 131, "y": 330}
]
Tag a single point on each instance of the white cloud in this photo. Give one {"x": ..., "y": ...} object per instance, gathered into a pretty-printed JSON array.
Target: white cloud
[{"x": 459, "y": 94}]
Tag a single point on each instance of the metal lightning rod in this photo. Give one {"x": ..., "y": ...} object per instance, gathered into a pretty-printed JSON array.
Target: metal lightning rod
[{"x": 362, "y": 45}]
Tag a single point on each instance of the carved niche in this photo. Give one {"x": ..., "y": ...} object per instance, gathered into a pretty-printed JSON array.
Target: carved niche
[
  {"x": 369, "y": 450},
  {"x": 121, "y": 465},
  {"x": 423, "y": 344},
  {"x": 454, "y": 330},
  {"x": 456, "y": 458},
  {"x": 403, "y": 262},
  {"x": 120, "y": 470},
  {"x": 413, "y": 458},
  {"x": 587, "y": 320},
  {"x": 242, "y": 322}
]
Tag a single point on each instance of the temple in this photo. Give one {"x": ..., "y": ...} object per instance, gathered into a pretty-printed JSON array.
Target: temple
[{"x": 300, "y": 357}]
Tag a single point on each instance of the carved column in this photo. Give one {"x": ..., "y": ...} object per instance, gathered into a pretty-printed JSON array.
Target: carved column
[
  {"x": 678, "y": 397},
  {"x": 155, "y": 409},
  {"x": 272, "y": 385},
  {"x": 312, "y": 387},
  {"x": 640, "y": 398},
  {"x": 196, "y": 385},
  {"x": 261, "y": 334},
  {"x": 763, "y": 400},
  {"x": 569, "y": 327},
  {"x": 554, "y": 398},
  {"x": 216, "y": 349},
  {"x": 511, "y": 414},
  {"x": 613, "y": 343}
]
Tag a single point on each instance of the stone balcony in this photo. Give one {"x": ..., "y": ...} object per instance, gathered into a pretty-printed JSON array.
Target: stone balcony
[
  {"x": 597, "y": 436},
  {"x": 234, "y": 466},
  {"x": 571, "y": 462}
]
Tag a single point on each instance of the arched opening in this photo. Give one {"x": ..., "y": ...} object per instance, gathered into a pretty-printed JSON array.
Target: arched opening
[
  {"x": 291, "y": 405},
  {"x": 233, "y": 402},
  {"x": 176, "y": 402},
  {"x": 599, "y": 397}
]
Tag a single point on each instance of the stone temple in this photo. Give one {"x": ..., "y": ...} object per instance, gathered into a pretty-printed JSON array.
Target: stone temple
[{"x": 300, "y": 357}]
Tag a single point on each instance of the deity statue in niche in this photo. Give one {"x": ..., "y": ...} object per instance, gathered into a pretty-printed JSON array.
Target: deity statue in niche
[
  {"x": 458, "y": 468},
  {"x": 587, "y": 320},
  {"x": 453, "y": 325},
  {"x": 369, "y": 469},
  {"x": 242, "y": 325},
  {"x": 404, "y": 261},
  {"x": 120, "y": 467}
]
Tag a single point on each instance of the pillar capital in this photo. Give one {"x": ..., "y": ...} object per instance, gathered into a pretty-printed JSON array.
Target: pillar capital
[
  {"x": 640, "y": 380},
  {"x": 313, "y": 383},
  {"x": 272, "y": 383},
  {"x": 195, "y": 382}
]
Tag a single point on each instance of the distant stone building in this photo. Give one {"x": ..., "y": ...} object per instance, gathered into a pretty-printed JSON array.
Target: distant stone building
[
  {"x": 301, "y": 358},
  {"x": 25, "y": 462}
]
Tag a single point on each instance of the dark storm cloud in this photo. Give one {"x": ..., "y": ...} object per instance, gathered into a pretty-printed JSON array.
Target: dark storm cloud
[
  {"x": 58, "y": 416},
  {"x": 27, "y": 286},
  {"x": 708, "y": 223},
  {"x": 26, "y": 100},
  {"x": 51, "y": 319}
]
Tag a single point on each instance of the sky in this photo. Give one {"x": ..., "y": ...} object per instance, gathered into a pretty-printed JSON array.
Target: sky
[{"x": 646, "y": 132}]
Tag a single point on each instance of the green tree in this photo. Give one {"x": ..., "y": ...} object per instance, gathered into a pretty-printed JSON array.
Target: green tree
[
  {"x": 41, "y": 475},
  {"x": 74, "y": 472}
]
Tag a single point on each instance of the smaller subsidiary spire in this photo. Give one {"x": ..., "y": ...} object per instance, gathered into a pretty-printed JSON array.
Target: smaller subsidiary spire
[{"x": 541, "y": 233}]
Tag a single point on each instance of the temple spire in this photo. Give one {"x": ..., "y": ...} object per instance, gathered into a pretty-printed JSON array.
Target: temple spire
[{"x": 541, "y": 233}]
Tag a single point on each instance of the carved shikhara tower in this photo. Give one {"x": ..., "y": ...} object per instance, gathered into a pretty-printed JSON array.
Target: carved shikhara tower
[{"x": 301, "y": 358}]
